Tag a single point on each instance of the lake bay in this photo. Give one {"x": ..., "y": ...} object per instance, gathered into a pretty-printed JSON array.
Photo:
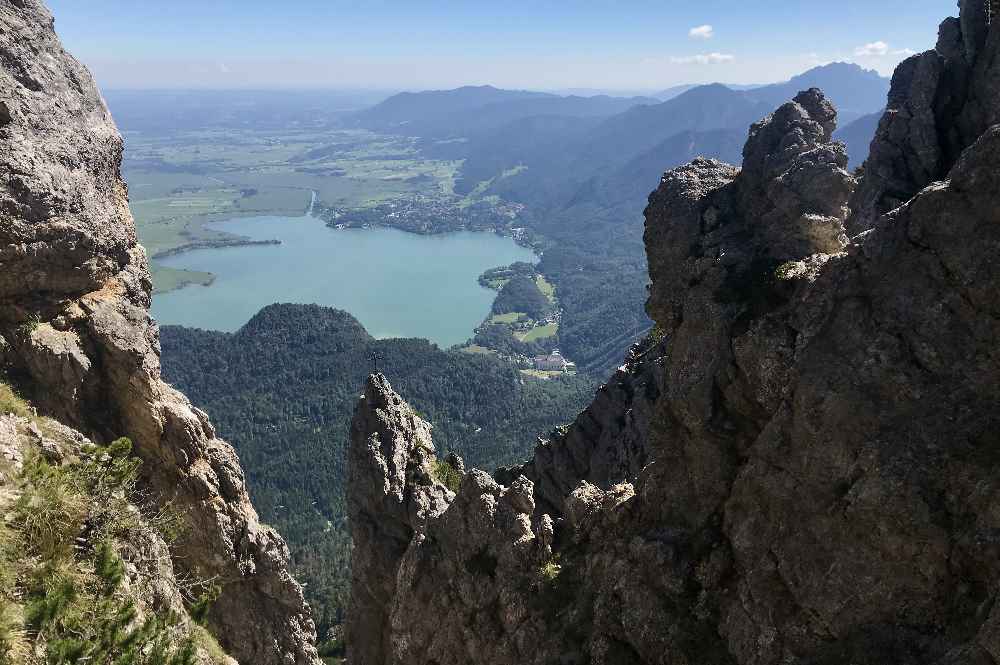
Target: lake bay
[{"x": 396, "y": 284}]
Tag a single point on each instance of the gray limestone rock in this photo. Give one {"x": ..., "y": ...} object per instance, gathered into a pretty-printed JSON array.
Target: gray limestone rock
[
  {"x": 940, "y": 103},
  {"x": 74, "y": 301},
  {"x": 391, "y": 494}
]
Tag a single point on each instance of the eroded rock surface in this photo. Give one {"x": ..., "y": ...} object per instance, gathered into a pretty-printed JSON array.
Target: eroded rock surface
[
  {"x": 801, "y": 466},
  {"x": 75, "y": 333},
  {"x": 392, "y": 493},
  {"x": 941, "y": 101}
]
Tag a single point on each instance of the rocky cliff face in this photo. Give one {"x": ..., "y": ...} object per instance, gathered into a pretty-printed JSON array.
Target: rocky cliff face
[
  {"x": 940, "y": 103},
  {"x": 76, "y": 335},
  {"x": 800, "y": 468}
]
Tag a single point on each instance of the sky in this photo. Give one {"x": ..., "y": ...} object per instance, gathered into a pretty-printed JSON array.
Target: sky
[{"x": 624, "y": 45}]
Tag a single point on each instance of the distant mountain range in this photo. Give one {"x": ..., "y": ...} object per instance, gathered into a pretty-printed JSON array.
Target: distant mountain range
[
  {"x": 854, "y": 91},
  {"x": 470, "y": 110},
  {"x": 584, "y": 166},
  {"x": 674, "y": 91},
  {"x": 459, "y": 112},
  {"x": 563, "y": 153},
  {"x": 565, "y": 141}
]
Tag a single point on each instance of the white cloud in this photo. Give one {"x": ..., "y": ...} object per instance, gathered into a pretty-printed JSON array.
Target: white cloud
[
  {"x": 703, "y": 59},
  {"x": 223, "y": 68},
  {"x": 701, "y": 32},
  {"x": 881, "y": 55},
  {"x": 872, "y": 50}
]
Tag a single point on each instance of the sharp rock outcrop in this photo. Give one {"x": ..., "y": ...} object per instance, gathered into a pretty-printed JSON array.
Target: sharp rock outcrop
[
  {"x": 800, "y": 466},
  {"x": 392, "y": 494},
  {"x": 941, "y": 101},
  {"x": 76, "y": 334}
]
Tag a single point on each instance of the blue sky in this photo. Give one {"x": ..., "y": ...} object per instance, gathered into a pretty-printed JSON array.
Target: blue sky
[{"x": 540, "y": 44}]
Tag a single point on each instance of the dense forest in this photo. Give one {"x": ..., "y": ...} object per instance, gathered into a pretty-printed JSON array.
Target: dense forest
[
  {"x": 283, "y": 389},
  {"x": 521, "y": 294}
]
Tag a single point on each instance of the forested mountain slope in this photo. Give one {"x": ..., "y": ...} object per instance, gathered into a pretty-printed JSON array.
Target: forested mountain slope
[{"x": 282, "y": 390}]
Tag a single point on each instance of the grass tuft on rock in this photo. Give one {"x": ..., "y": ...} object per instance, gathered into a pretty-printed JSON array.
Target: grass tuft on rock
[
  {"x": 64, "y": 596},
  {"x": 10, "y": 402},
  {"x": 550, "y": 570},
  {"x": 447, "y": 475}
]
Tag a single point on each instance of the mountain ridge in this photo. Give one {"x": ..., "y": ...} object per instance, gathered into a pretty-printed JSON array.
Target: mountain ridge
[
  {"x": 470, "y": 110},
  {"x": 797, "y": 466}
]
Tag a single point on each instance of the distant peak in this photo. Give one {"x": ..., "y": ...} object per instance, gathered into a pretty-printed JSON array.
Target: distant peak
[{"x": 849, "y": 68}]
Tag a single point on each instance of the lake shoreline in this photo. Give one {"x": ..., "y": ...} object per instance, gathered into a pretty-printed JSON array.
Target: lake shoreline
[
  {"x": 396, "y": 282},
  {"x": 212, "y": 244},
  {"x": 519, "y": 240}
]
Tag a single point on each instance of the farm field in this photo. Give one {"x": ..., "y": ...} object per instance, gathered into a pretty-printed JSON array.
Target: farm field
[
  {"x": 539, "y": 333},
  {"x": 182, "y": 182},
  {"x": 510, "y": 317}
]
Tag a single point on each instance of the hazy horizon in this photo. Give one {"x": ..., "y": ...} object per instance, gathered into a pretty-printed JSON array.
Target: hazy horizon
[
  {"x": 358, "y": 90},
  {"x": 390, "y": 46}
]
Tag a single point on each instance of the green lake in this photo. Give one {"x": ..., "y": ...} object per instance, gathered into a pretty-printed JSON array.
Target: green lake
[{"x": 397, "y": 284}]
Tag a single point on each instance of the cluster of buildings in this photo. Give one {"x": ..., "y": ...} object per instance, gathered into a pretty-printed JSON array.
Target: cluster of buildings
[
  {"x": 554, "y": 362},
  {"x": 427, "y": 214}
]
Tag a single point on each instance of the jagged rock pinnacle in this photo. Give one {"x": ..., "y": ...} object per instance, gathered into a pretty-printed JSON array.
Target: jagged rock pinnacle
[
  {"x": 940, "y": 103},
  {"x": 391, "y": 493}
]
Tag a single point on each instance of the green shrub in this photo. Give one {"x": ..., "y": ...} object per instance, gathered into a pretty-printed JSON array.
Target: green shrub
[
  {"x": 109, "y": 566},
  {"x": 332, "y": 649},
  {"x": 550, "y": 570},
  {"x": 62, "y": 574},
  {"x": 447, "y": 475},
  {"x": 788, "y": 270},
  {"x": 14, "y": 645},
  {"x": 10, "y": 402},
  {"x": 201, "y": 607},
  {"x": 30, "y": 325}
]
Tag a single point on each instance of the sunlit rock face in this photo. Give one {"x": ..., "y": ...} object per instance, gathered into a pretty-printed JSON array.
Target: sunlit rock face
[
  {"x": 799, "y": 467},
  {"x": 76, "y": 335}
]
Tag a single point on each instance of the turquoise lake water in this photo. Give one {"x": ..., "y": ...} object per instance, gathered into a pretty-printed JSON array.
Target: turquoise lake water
[{"x": 396, "y": 284}]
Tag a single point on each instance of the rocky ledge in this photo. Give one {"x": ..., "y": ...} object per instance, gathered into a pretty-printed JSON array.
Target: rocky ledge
[{"x": 800, "y": 467}]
